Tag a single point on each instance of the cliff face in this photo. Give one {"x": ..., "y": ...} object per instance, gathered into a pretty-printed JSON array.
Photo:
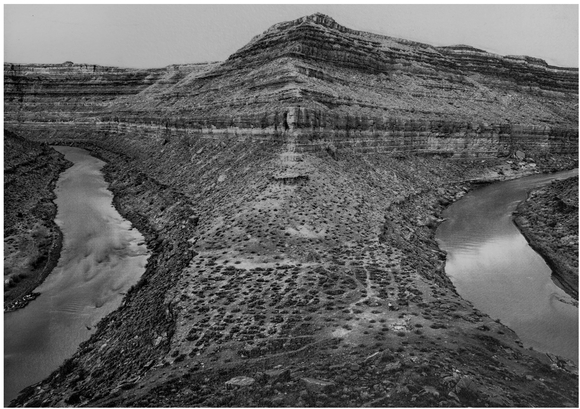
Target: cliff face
[
  {"x": 328, "y": 87},
  {"x": 77, "y": 92}
]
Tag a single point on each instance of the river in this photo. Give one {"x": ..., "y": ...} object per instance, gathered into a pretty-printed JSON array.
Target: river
[
  {"x": 102, "y": 257},
  {"x": 492, "y": 265}
]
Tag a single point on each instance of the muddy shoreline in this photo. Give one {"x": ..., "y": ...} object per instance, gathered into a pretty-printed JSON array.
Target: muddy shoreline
[{"x": 133, "y": 345}]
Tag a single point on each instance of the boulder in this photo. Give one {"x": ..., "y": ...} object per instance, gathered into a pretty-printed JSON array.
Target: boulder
[
  {"x": 277, "y": 375},
  {"x": 240, "y": 381},
  {"x": 466, "y": 386}
]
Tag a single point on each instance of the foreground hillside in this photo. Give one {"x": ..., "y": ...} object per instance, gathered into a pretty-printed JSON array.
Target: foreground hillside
[
  {"x": 31, "y": 239},
  {"x": 549, "y": 220},
  {"x": 325, "y": 290},
  {"x": 291, "y": 212}
]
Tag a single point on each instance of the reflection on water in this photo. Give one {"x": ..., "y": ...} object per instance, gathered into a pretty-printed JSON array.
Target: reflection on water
[
  {"x": 492, "y": 265},
  {"x": 100, "y": 260}
]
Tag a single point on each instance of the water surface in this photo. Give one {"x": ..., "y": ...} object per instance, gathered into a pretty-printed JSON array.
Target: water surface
[
  {"x": 492, "y": 265},
  {"x": 102, "y": 256}
]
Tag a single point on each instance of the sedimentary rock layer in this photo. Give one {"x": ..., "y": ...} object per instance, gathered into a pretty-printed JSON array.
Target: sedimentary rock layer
[{"x": 329, "y": 87}]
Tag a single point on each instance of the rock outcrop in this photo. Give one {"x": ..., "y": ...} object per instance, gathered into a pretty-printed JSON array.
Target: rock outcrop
[{"x": 549, "y": 220}]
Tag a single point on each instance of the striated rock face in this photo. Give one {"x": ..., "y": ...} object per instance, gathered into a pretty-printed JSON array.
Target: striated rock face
[
  {"x": 76, "y": 92},
  {"x": 328, "y": 87}
]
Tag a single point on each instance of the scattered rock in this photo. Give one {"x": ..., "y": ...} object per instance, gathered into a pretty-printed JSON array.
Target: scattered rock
[
  {"x": 240, "y": 381},
  {"x": 466, "y": 386},
  {"x": 277, "y": 375},
  {"x": 317, "y": 385}
]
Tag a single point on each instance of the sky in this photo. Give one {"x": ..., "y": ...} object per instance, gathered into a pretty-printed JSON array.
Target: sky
[{"x": 151, "y": 36}]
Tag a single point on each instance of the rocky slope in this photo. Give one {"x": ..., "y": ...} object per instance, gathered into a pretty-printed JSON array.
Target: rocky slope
[
  {"x": 322, "y": 291},
  {"x": 549, "y": 220},
  {"x": 293, "y": 260},
  {"x": 31, "y": 238}
]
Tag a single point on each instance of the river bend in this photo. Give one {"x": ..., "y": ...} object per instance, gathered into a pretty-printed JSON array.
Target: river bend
[
  {"x": 102, "y": 256},
  {"x": 492, "y": 265}
]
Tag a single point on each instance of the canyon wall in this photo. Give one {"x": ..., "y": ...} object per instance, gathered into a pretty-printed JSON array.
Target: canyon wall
[{"x": 323, "y": 86}]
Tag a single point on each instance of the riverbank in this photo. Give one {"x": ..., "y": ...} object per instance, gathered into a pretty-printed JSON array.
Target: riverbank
[
  {"x": 549, "y": 221},
  {"x": 32, "y": 240},
  {"x": 141, "y": 201},
  {"x": 328, "y": 290},
  {"x": 103, "y": 256}
]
